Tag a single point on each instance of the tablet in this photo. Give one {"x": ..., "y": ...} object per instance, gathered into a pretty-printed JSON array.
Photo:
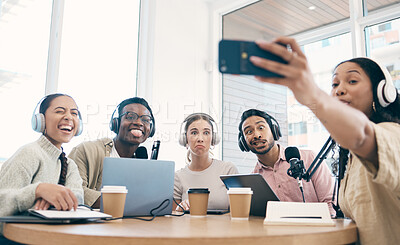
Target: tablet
[
  {"x": 31, "y": 219},
  {"x": 262, "y": 192}
]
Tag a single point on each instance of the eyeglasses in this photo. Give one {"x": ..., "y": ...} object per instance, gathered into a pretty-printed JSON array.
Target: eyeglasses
[{"x": 132, "y": 116}]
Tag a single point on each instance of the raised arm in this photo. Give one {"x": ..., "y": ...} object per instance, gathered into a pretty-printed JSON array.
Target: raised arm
[{"x": 348, "y": 126}]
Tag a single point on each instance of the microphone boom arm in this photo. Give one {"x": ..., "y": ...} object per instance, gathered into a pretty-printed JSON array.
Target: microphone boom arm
[{"x": 324, "y": 151}]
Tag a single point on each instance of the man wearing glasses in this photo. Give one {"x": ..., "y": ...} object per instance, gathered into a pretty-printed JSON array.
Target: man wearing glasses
[{"x": 132, "y": 122}]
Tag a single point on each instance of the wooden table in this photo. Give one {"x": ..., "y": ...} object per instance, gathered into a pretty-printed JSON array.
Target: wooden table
[{"x": 214, "y": 229}]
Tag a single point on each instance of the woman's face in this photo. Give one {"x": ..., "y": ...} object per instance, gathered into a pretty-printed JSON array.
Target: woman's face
[
  {"x": 61, "y": 120},
  {"x": 352, "y": 86},
  {"x": 199, "y": 136}
]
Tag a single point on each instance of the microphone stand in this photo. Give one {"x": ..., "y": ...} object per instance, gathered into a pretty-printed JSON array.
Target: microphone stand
[
  {"x": 311, "y": 170},
  {"x": 324, "y": 151}
]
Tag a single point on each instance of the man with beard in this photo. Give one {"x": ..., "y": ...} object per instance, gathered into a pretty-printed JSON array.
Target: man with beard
[
  {"x": 132, "y": 122},
  {"x": 258, "y": 132}
]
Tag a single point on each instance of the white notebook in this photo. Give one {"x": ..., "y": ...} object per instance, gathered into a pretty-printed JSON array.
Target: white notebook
[
  {"x": 298, "y": 213},
  {"x": 80, "y": 213}
]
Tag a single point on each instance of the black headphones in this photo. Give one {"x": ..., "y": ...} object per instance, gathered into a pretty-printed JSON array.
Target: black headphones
[
  {"x": 115, "y": 122},
  {"x": 272, "y": 123},
  {"x": 183, "y": 137}
]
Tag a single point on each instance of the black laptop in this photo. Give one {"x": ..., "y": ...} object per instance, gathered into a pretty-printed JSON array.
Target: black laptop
[{"x": 262, "y": 192}]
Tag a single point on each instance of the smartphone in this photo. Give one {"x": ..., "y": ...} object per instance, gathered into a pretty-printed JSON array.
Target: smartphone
[{"x": 234, "y": 58}]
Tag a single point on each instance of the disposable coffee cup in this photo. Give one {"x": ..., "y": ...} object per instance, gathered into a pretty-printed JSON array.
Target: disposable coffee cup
[
  {"x": 198, "y": 201},
  {"x": 114, "y": 200},
  {"x": 240, "y": 203}
]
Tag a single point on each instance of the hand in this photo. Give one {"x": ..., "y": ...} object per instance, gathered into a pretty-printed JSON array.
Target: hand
[
  {"x": 59, "y": 196},
  {"x": 42, "y": 204},
  {"x": 185, "y": 204},
  {"x": 297, "y": 74}
]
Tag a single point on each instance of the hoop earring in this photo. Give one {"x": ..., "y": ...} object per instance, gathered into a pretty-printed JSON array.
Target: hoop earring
[{"x": 373, "y": 106}]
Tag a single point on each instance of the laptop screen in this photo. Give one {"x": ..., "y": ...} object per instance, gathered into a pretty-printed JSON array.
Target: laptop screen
[{"x": 150, "y": 183}]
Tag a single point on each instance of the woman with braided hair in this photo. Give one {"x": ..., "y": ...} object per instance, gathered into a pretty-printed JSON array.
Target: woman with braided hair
[{"x": 39, "y": 175}]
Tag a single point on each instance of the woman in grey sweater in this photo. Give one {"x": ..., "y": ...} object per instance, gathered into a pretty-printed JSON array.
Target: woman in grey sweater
[{"x": 39, "y": 175}]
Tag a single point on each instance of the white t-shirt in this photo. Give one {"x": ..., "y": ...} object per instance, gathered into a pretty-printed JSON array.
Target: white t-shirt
[
  {"x": 114, "y": 152},
  {"x": 208, "y": 178}
]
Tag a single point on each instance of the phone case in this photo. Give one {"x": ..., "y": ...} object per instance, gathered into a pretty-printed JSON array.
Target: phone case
[{"x": 234, "y": 58}]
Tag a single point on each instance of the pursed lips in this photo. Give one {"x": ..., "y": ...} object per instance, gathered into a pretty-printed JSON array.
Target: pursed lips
[{"x": 345, "y": 101}]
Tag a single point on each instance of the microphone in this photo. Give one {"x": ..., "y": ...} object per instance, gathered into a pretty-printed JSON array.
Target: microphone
[
  {"x": 296, "y": 169},
  {"x": 141, "y": 152},
  {"x": 154, "y": 150}
]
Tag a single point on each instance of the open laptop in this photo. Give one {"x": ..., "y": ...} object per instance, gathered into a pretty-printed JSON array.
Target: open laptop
[
  {"x": 262, "y": 192},
  {"x": 150, "y": 184}
]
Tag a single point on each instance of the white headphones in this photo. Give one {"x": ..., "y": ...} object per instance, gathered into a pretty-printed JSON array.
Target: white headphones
[
  {"x": 183, "y": 137},
  {"x": 386, "y": 91},
  {"x": 39, "y": 123}
]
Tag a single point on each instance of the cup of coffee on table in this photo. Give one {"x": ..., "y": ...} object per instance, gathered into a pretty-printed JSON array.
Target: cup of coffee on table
[
  {"x": 114, "y": 200},
  {"x": 240, "y": 203},
  {"x": 198, "y": 201}
]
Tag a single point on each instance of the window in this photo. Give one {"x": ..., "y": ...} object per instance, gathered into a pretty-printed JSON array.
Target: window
[
  {"x": 308, "y": 131},
  {"x": 383, "y": 45},
  {"x": 24, "y": 44},
  {"x": 98, "y": 60}
]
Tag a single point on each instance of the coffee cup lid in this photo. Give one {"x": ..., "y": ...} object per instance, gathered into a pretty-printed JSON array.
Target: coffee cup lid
[
  {"x": 114, "y": 189},
  {"x": 198, "y": 190},
  {"x": 244, "y": 190}
]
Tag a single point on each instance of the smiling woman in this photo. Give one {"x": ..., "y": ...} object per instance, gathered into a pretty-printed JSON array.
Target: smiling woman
[{"x": 38, "y": 174}]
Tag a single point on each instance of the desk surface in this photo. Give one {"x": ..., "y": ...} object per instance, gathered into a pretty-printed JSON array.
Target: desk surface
[{"x": 214, "y": 229}]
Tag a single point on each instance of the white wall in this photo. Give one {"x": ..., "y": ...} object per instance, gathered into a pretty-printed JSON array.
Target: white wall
[{"x": 173, "y": 74}]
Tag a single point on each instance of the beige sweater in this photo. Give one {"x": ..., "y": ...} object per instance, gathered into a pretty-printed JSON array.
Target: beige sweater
[
  {"x": 89, "y": 157},
  {"x": 371, "y": 197},
  {"x": 186, "y": 178},
  {"x": 31, "y": 165}
]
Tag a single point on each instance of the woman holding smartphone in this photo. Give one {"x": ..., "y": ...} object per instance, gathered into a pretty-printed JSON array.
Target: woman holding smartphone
[
  {"x": 39, "y": 175},
  {"x": 198, "y": 134},
  {"x": 363, "y": 116}
]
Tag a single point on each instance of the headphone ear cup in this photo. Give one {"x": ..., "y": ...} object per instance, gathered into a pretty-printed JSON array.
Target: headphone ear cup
[
  {"x": 386, "y": 93},
  {"x": 114, "y": 125},
  {"x": 242, "y": 143},
  {"x": 38, "y": 123},
  {"x": 152, "y": 130},
  {"x": 215, "y": 139},
  {"x": 80, "y": 128},
  {"x": 276, "y": 132},
  {"x": 182, "y": 139}
]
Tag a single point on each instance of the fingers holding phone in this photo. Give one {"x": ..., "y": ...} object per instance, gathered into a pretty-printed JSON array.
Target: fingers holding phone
[
  {"x": 297, "y": 74},
  {"x": 234, "y": 58}
]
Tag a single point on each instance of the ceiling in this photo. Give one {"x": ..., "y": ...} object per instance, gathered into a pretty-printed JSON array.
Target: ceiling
[{"x": 268, "y": 19}]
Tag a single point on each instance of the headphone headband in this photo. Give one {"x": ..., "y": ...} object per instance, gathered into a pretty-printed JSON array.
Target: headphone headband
[{"x": 386, "y": 91}]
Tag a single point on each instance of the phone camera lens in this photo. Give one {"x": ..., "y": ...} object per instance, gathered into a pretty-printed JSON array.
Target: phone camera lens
[{"x": 223, "y": 68}]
